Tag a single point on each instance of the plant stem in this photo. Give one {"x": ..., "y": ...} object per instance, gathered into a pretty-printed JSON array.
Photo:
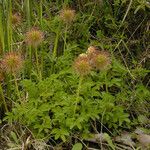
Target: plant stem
[
  {"x": 106, "y": 81},
  {"x": 56, "y": 42},
  {"x": 1, "y": 29},
  {"x": 27, "y": 7},
  {"x": 3, "y": 98},
  {"x": 78, "y": 93},
  {"x": 9, "y": 25},
  {"x": 41, "y": 23},
  {"x": 28, "y": 18},
  {"x": 65, "y": 37},
  {"x": 17, "y": 89},
  {"x": 55, "y": 48},
  {"x": 41, "y": 13},
  {"x": 37, "y": 63},
  {"x": 127, "y": 11}
]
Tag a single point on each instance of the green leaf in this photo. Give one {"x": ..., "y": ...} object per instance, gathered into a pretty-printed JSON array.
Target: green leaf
[
  {"x": 63, "y": 138},
  {"x": 115, "y": 81},
  {"x": 14, "y": 136},
  {"x": 77, "y": 146}
]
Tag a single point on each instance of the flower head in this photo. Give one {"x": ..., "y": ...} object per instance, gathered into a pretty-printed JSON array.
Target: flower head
[
  {"x": 12, "y": 62},
  {"x": 91, "y": 50},
  {"x": 81, "y": 65},
  {"x": 16, "y": 19},
  {"x": 67, "y": 15},
  {"x": 34, "y": 37},
  {"x": 101, "y": 60}
]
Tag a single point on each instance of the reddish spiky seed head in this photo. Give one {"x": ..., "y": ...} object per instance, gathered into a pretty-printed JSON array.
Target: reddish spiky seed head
[
  {"x": 91, "y": 50},
  {"x": 67, "y": 15},
  {"x": 16, "y": 19},
  {"x": 12, "y": 62},
  {"x": 101, "y": 61},
  {"x": 81, "y": 65},
  {"x": 34, "y": 37},
  {"x": 83, "y": 56}
]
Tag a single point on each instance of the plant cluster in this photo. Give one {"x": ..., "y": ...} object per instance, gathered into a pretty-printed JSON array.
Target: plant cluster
[{"x": 73, "y": 69}]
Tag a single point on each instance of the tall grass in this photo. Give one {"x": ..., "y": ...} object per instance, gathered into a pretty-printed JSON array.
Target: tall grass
[
  {"x": 2, "y": 39},
  {"x": 9, "y": 24}
]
